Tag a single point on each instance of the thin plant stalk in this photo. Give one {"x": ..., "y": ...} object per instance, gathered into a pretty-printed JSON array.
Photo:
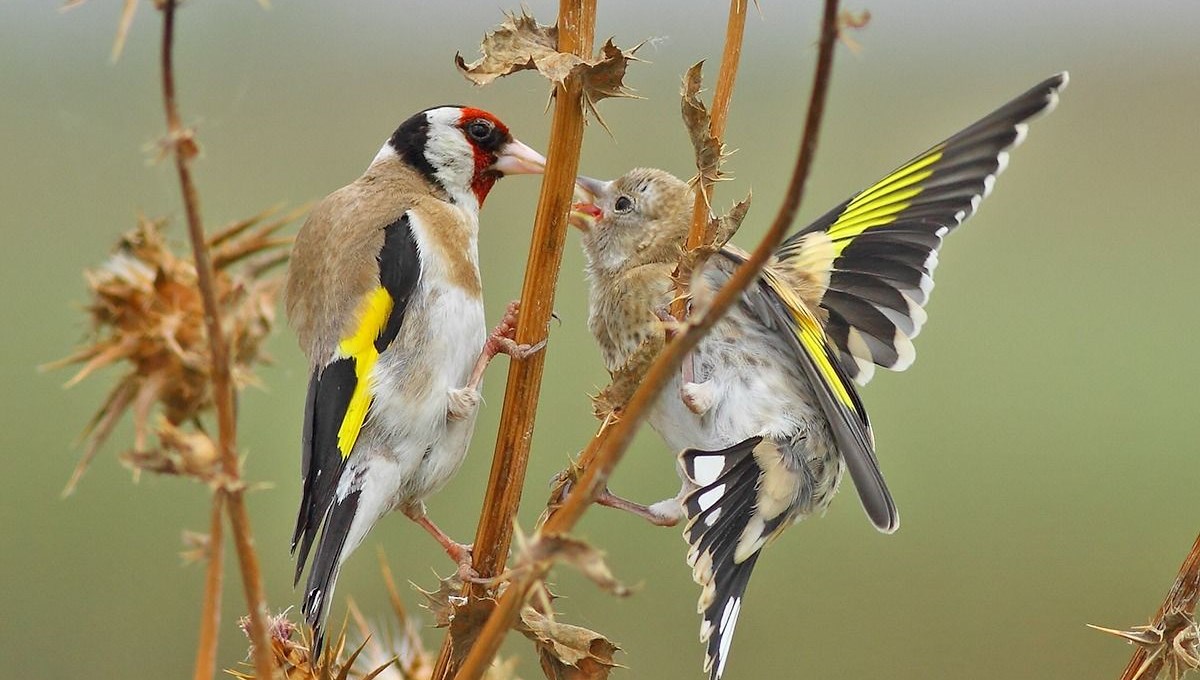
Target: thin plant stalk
[
  {"x": 608, "y": 448},
  {"x": 183, "y": 147},
  {"x": 576, "y": 31},
  {"x": 701, "y": 230},
  {"x": 210, "y": 617}
]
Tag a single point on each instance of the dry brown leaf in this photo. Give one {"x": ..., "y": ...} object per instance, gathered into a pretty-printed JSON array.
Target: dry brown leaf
[
  {"x": 462, "y": 615},
  {"x": 708, "y": 149},
  {"x": 581, "y": 555},
  {"x": 520, "y": 43},
  {"x": 466, "y": 624},
  {"x": 724, "y": 227},
  {"x": 568, "y": 652},
  {"x": 605, "y": 78},
  {"x": 625, "y": 380},
  {"x": 441, "y": 602},
  {"x": 515, "y": 45}
]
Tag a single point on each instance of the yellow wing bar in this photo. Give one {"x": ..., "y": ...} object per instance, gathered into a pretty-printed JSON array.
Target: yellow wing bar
[
  {"x": 881, "y": 203},
  {"x": 373, "y": 313},
  {"x": 812, "y": 338}
]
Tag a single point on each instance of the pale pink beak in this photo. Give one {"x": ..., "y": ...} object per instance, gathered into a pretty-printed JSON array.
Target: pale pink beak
[
  {"x": 584, "y": 212},
  {"x": 517, "y": 159}
]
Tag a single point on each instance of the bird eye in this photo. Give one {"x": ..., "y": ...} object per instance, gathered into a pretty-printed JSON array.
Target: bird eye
[
  {"x": 479, "y": 129},
  {"x": 623, "y": 204}
]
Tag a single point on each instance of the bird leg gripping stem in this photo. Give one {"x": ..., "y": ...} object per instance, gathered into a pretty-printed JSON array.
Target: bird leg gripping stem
[{"x": 502, "y": 340}]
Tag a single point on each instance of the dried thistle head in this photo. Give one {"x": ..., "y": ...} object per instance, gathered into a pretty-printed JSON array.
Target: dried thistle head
[
  {"x": 291, "y": 655},
  {"x": 147, "y": 316}
]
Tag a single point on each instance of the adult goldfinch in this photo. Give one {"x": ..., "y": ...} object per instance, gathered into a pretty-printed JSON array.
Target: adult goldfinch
[
  {"x": 765, "y": 410},
  {"x": 384, "y": 294}
]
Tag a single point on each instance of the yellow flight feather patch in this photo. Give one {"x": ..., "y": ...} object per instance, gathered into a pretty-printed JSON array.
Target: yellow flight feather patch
[
  {"x": 882, "y": 202},
  {"x": 373, "y": 313},
  {"x": 812, "y": 337}
]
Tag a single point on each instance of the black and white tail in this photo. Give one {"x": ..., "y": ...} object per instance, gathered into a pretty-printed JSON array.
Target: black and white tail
[
  {"x": 719, "y": 512},
  {"x": 322, "y": 577}
]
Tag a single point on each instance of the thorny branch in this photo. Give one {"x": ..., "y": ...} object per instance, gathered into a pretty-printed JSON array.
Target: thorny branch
[
  {"x": 607, "y": 449},
  {"x": 576, "y": 27},
  {"x": 184, "y": 147},
  {"x": 1170, "y": 641}
]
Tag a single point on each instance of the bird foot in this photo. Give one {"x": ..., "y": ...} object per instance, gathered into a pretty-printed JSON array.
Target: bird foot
[
  {"x": 462, "y": 556},
  {"x": 501, "y": 341},
  {"x": 699, "y": 397},
  {"x": 459, "y": 552},
  {"x": 666, "y": 513},
  {"x": 671, "y": 325},
  {"x": 503, "y": 337},
  {"x": 462, "y": 403}
]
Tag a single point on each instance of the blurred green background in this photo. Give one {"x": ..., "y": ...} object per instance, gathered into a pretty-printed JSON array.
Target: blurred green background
[{"x": 1042, "y": 450}]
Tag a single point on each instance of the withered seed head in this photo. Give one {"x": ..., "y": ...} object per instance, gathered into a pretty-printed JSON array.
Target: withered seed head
[{"x": 147, "y": 316}]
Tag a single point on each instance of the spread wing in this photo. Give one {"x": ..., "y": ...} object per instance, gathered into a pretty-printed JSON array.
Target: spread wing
[
  {"x": 339, "y": 393},
  {"x": 877, "y": 251},
  {"x": 780, "y": 310}
]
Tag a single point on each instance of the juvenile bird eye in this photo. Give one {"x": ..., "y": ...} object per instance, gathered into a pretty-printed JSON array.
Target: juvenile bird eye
[
  {"x": 479, "y": 130},
  {"x": 623, "y": 204}
]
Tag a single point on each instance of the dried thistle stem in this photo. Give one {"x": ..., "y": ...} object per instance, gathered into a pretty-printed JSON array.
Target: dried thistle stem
[
  {"x": 183, "y": 147},
  {"x": 576, "y": 27},
  {"x": 210, "y": 618},
  {"x": 576, "y": 31},
  {"x": 606, "y": 450},
  {"x": 701, "y": 230}
]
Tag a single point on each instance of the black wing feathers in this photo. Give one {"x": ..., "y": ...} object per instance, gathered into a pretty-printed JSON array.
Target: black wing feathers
[
  {"x": 399, "y": 270},
  {"x": 329, "y": 393},
  {"x": 893, "y": 230}
]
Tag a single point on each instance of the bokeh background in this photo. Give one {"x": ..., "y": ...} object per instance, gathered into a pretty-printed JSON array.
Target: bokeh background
[{"x": 1042, "y": 450}]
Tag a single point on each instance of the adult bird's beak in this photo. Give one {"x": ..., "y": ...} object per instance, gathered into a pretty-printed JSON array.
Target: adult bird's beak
[
  {"x": 517, "y": 159},
  {"x": 584, "y": 212}
]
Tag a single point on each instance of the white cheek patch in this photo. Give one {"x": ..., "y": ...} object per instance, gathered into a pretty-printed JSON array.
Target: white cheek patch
[{"x": 450, "y": 154}]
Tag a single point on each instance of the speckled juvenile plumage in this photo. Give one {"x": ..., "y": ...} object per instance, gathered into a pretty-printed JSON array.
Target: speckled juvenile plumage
[
  {"x": 385, "y": 297},
  {"x": 765, "y": 411}
]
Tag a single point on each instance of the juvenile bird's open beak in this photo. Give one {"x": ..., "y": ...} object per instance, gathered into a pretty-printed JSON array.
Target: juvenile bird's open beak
[
  {"x": 517, "y": 159},
  {"x": 584, "y": 212}
]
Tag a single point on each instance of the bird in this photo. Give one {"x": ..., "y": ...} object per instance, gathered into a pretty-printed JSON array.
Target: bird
[
  {"x": 383, "y": 292},
  {"x": 764, "y": 414}
]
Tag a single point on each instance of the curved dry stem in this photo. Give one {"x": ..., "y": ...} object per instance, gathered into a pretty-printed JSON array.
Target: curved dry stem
[
  {"x": 607, "y": 449},
  {"x": 184, "y": 149}
]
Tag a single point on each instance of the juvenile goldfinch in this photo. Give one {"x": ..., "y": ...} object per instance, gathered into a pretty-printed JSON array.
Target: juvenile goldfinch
[
  {"x": 384, "y": 294},
  {"x": 765, "y": 411}
]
